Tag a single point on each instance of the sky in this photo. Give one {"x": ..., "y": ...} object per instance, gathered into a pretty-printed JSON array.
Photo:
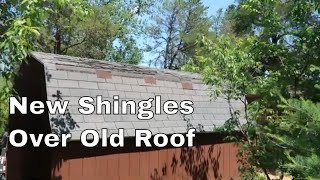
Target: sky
[{"x": 213, "y": 7}]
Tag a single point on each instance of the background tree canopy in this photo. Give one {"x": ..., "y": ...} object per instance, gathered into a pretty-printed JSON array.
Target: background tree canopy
[
  {"x": 173, "y": 28},
  {"x": 264, "y": 53},
  {"x": 105, "y": 31}
]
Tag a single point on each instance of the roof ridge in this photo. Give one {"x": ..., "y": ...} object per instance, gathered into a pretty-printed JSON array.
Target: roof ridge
[{"x": 67, "y": 60}]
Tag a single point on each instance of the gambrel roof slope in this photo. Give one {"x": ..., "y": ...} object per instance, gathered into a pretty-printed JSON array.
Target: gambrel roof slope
[{"x": 70, "y": 78}]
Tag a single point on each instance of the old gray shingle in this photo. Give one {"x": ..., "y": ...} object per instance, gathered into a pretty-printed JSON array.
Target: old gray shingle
[
  {"x": 141, "y": 82},
  {"x": 96, "y": 92},
  {"x": 115, "y": 79},
  {"x": 123, "y": 87},
  {"x": 126, "y": 80},
  {"x": 140, "y": 125},
  {"x": 73, "y": 101},
  {"x": 180, "y": 129},
  {"x": 68, "y": 83},
  {"x": 79, "y": 92},
  {"x": 130, "y": 132},
  {"x": 112, "y": 118},
  {"x": 59, "y": 74},
  {"x": 165, "y": 90},
  {"x": 116, "y": 93},
  {"x": 126, "y": 125},
  {"x": 133, "y": 95},
  {"x": 139, "y": 89},
  {"x": 108, "y": 125},
  {"x": 63, "y": 91},
  {"x": 84, "y": 126},
  {"x": 156, "y": 124},
  {"x": 94, "y": 118},
  {"x": 94, "y": 78},
  {"x": 77, "y": 118},
  {"x": 106, "y": 86},
  {"x": 166, "y": 130},
  {"x": 152, "y": 89},
  {"x": 174, "y": 117},
  {"x": 74, "y": 109},
  {"x": 88, "y": 85},
  {"x": 76, "y": 76},
  {"x": 154, "y": 130},
  {"x": 170, "y": 123},
  {"x": 52, "y": 83},
  {"x": 161, "y": 117}
]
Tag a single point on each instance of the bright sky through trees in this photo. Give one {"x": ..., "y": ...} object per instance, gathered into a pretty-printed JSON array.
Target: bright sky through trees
[{"x": 213, "y": 7}]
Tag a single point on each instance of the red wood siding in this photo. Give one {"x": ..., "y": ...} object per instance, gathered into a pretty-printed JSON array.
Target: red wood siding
[{"x": 201, "y": 162}]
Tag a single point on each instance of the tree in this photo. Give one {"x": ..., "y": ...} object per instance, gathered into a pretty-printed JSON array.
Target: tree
[
  {"x": 300, "y": 132},
  {"x": 223, "y": 21},
  {"x": 105, "y": 32},
  {"x": 52, "y": 26},
  {"x": 175, "y": 24},
  {"x": 3, "y": 104},
  {"x": 273, "y": 63},
  {"x": 18, "y": 37}
]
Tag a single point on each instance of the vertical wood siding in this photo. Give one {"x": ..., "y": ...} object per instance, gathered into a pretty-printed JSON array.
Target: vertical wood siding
[{"x": 203, "y": 162}]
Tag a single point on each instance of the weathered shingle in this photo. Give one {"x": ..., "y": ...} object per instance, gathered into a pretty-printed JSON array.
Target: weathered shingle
[
  {"x": 78, "y": 77},
  {"x": 88, "y": 85},
  {"x": 67, "y": 83}
]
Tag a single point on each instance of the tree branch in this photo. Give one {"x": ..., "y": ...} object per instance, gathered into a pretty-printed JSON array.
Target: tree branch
[{"x": 72, "y": 45}]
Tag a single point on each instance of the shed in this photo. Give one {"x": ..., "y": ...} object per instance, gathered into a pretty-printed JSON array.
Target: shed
[{"x": 57, "y": 77}]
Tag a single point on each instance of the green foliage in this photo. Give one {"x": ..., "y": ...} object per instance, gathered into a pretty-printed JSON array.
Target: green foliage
[
  {"x": 300, "y": 128},
  {"x": 272, "y": 66},
  {"x": 105, "y": 31},
  {"x": 18, "y": 38},
  {"x": 227, "y": 64},
  {"x": 5, "y": 89}
]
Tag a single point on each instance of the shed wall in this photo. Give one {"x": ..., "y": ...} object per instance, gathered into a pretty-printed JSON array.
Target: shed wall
[
  {"x": 22, "y": 163},
  {"x": 201, "y": 162}
]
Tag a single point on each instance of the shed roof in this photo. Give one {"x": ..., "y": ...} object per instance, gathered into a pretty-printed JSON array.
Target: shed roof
[{"x": 70, "y": 78}]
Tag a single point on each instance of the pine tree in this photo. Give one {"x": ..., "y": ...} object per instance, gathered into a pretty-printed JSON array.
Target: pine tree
[{"x": 174, "y": 27}]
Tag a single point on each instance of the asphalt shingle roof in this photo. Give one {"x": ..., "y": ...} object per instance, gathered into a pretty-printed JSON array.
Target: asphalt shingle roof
[{"x": 73, "y": 77}]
